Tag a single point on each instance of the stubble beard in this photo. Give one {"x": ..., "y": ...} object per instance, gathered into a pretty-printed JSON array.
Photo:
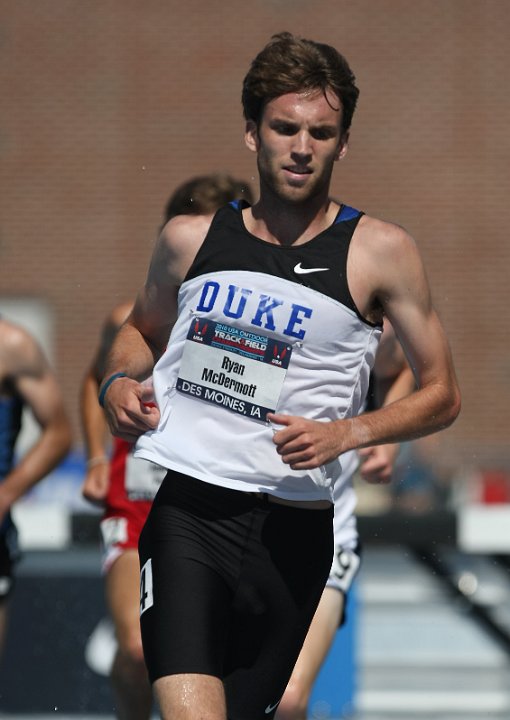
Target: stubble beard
[
  {"x": 291, "y": 195},
  {"x": 285, "y": 192}
]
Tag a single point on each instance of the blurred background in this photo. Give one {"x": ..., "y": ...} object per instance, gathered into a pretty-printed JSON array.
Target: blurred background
[{"x": 106, "y": 106}]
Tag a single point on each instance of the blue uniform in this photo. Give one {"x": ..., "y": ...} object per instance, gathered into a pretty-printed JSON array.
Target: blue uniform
[{"x": 10, "y": 424}]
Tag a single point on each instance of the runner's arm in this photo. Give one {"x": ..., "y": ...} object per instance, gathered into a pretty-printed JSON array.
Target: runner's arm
[{"x": 37, "y": 385}]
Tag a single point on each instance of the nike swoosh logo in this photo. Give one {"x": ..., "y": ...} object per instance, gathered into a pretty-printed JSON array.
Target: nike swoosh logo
[
  {"x": 304, "y": 271},
  {"x": 270, "y": 708}
]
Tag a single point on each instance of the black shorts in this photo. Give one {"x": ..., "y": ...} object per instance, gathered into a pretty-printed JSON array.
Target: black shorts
[
  {"x": 229, "y": 585},
  {"x": 9, "y": 555}
]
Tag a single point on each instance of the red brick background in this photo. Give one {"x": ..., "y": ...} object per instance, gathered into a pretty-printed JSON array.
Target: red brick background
[{"x": 106, "y": 105}]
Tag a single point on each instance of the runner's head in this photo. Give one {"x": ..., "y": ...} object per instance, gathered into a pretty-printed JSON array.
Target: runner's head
[
  {"x": 289, "y": 64},
  {"x": 204, "y": 194}
]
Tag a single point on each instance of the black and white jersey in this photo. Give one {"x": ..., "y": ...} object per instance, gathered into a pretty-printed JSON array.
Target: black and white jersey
[{"x": 261, "y": 328}]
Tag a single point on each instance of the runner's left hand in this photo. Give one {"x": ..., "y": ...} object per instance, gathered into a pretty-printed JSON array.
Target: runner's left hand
[{"x": 305, "y": 444}]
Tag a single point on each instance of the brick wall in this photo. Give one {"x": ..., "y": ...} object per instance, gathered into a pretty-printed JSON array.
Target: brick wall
[{"x": 106, "y": 105}]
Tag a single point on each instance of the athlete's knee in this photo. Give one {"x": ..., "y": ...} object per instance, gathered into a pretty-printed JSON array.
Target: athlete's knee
[
  {"x": 189, "y": 696},
  {"x": 130, "y": 647},
  {"x": 294, "y": 703},
  {"x": 129, "y": 674}
]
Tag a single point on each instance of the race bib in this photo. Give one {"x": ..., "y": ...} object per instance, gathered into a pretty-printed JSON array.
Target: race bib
[
  {"x": 344, "y": 568},
  {"x": 146, "y": 592},
  {"x": 235, "y": 369},
  {"x": 113, "y": 531},
  {"x": 143, "y": 478}
]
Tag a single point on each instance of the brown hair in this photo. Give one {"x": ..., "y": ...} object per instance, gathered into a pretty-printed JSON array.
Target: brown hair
[
  {"x": 204, "y": 194},
  {"x": 292, "y": 64}
]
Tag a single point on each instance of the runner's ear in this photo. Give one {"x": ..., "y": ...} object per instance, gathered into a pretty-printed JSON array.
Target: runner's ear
[
  {"x": 342, "y": 148},
  {"x": 251, "y": 136}
]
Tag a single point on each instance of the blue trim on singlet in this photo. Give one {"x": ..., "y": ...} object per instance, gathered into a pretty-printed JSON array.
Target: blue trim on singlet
[
  {"x": 347, "y": 213},
  {"x": 10, "y": 421}
]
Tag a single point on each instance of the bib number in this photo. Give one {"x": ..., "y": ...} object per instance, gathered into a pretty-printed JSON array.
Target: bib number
[
  {"x": 143, "y": 478},
  {"x": 235, "y": 369}
]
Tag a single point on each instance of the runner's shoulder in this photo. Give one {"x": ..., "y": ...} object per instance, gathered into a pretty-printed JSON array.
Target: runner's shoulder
[
  {"x": 383, "y": 236},
  {"x": 185, "y": 230}
]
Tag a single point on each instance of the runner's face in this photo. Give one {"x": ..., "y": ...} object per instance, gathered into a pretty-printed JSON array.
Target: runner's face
[{"x": 297, "y": 141}]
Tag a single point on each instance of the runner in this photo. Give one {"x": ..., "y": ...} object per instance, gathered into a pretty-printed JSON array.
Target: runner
[
  {"x": 126, "y": 485},
  {"x": 263, "y": 324}
]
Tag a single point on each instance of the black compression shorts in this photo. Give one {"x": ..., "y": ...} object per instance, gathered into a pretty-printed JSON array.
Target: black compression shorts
[{"x": 229, "y": 585}]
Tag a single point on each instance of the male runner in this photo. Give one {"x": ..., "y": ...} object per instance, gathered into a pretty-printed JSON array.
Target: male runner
[
  {"x": 26, "y": 380},
  {"x": 392, "y": 380},
  {"x": 126, "y": 485},
  {"x": 261, "y": 328}
]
